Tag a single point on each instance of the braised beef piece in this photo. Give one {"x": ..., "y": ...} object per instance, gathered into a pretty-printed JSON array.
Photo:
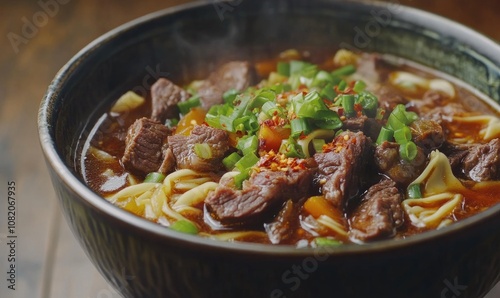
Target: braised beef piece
[
  {"x": 389, "y": 162},
  {"x": 437, "y": 106},
  {"x": 143, "y": 146},
  {"x": 280, "y": 229},
  {"x": 355, "y": 124},
  {"x": 341, "y": 166},
  {"x": 427, "y": 134},
  {"x": 369, "y": 126},
  {"x": 184, "y": 153},
  {"x": 165, "y": 96},
  {"x": 477, "y": 162},
  {"x": 232, "y": 75},
  {"x": 372, "y": 128},
  {"x": 168, "y": 163},
  {"x": 373, "y": 68},
  {"x": 262, "y": 193},
  {"x": 379, "y": 214},
  {"x": 388, "y": 97}
]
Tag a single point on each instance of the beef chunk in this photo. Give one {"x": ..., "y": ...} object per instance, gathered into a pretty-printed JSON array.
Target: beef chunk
[
  {"x": 232, "y": 75},
  {"x": 438, "y": 107},
  {"x": 281, "y": 229},
  {"x": 373, "y": 68},
  {"x": 168, "y": 163},
  {"x": 388, "y": 97},
  {"x": 427, "y": 134},
  {"x": 390, "y": 163},
  {"x": 379, "y": 214},
  {"x": 165, "y": 95},
  {"x": 143, "y": 146},
  {"x": 478, "y": 162},
  {"x": 355, "y": 124},
  {"x": 340, "y": 167},
  {"x": 185, "y": 156},
  {"x": 369, "y": 126},
  {"x": 260, "y": 194}
]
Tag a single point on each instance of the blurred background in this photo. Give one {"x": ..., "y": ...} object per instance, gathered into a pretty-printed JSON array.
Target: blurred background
[{"x": 38, "y": 38}]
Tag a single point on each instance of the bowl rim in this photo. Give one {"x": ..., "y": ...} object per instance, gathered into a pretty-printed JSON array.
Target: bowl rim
[{"x": 461, "y": 33}]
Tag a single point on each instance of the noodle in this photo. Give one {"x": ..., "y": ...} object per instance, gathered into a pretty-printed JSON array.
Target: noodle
[
  {"x": 158, "y": 199},
  {"x": 231, "y": 236},
  {"x": 182, "y": 189},
  {"x": 132, "y": 191},
  {"x": 171, "y": 213},
  {"x": 424, "y": 213},
  {"x": 332, "y": 225},
  {"x": 196, "y": 195}
]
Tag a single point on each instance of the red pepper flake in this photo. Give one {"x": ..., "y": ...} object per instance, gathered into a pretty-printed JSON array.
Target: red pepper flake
[
  {"x": 358, "y": 107},
  {"x": 340, "y": 111},
  {"x": 279, "y": 162},
  {"x": 347, "y": 90}
]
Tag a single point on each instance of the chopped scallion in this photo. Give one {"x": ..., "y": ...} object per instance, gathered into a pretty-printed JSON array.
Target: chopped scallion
[
  {"x": 247, "y": 161},
  {"x": 344, "y": 71},
  {"x": 184, "y": 226},
  {"x": 324, "y": 241},
  {"x": 415, "y": 191},
  {"x": 342, "y": 85},
  {"x": 154, "y": 177},
  {"x": 230, "y": 161},
  {"x": 299, "y": 126},
  {"x": 368, "y": 102},
  {"x": 348, "y": 105},
  {"x": 384, "y": 135},
  {"x": 283, "y": 68},
  {"x": 248, "y": 144},
  {"x": 203, "y": 151},
  {"x": 318, "y": 145},
  {"x": 327, "y": 119},
  {"x": 230, "y": 95},
  {"x": 238, "y": 179},
  {"x": 291, "y": 148},
  {"x": 359, "y": 86},
  {"x": 408, "y": 151},
  {"x": 328, "y": 92},
  {"x": 402, "y": 135},
  {"x": 192, "y": 102}
]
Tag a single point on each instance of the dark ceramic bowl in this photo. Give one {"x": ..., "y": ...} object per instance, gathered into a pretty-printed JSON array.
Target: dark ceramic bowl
[{"x": 143, "y": 259}]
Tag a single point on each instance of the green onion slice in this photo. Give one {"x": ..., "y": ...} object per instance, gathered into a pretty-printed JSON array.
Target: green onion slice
[
  {"x": 415, "y": 191},
  {"x": 384, "y": 135},
  {"x": 402, "y": 135},
  {"x": 203, "y": 151},
  {"x": 247, "y": 161},
  {"x": 324, "y": 241},
  {"x": 408, "y": 151},
  {"x": 184, "y": 226},
  {"x": 299, "y": 126},
  {"x": 154, "y": 177},
  {"x": 192, "y": 102},
  {"x": 344, "y": 71},
  {"x": 230, "y": 161}
]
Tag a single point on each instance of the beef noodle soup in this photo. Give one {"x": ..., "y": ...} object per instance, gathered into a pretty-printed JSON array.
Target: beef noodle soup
[{"x": 304, "y": 150}]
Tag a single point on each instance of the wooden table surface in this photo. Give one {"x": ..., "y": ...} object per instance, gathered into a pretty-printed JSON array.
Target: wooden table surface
[{"x": 49, "y": 262}]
